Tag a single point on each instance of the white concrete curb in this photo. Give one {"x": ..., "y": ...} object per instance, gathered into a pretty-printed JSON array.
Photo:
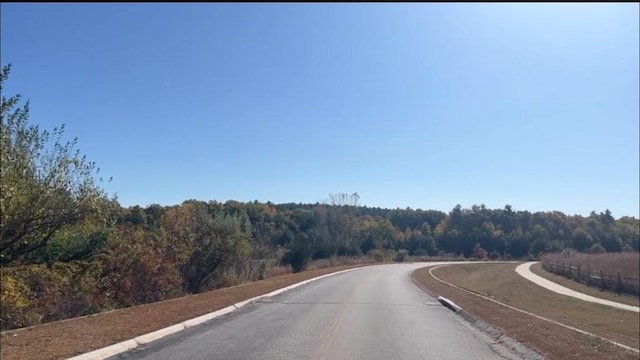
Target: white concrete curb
[{"x": 131, "y": 344}]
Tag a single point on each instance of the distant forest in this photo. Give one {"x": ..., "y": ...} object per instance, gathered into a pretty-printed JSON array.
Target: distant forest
[{"x": 68, "y": 249}]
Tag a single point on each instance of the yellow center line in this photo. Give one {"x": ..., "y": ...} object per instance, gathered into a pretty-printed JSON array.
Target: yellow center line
[{"x": 321, "y": 352}]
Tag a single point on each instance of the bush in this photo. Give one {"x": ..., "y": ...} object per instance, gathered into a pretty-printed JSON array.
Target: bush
[
  {"x": 479, "y": 252},
  {"x": 597, "y": 249},
  {"x": 298, "y": 254},
  {"x": 421, "y": 252},
  {"x": 401, "y": 255},
  {"x": 137, "y": 270},
  {"x": 298, "y": 258},
  {"x": 36, "y": 294},
  {"x": 16, "y": 299},
  {"x": 377, "y": 255}
]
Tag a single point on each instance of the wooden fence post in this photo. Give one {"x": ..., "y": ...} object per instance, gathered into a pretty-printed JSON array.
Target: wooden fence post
[
  {"x": 619, "y": 286},
  {"x": 579, "y": 274}
]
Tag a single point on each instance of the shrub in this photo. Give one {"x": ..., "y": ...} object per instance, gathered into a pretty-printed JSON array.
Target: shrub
[
  {"x": 277, "y": 270},
  {"x": 16, "y": 298},
  {"x": 298, "y": 258},
  {"x": 298, "y": 254},
  {"x": 401, "y": 255},
  {"x": 377, "y": 255},
  {"x": 479, "y": 252},
  {"x": 35, "y": 294},
  {"x": 421, "y": 252},
  {"x": 597, "y": 249}
]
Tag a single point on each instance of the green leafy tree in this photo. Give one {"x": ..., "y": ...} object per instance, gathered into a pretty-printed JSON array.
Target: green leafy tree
[
  {"x": 582, "y": 241},
  {"x": 45, "y": 185},
  {"x": 597, "y": 249},
  {"x": 134, "y": 216},
  {"x": 518, "y": 243},
  {"x": 298, "y": 253},
  {"x": 540, "y": 245},
  {"x": 629, "y": 230}
]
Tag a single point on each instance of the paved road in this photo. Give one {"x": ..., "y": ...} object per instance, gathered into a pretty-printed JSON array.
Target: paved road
[
  {"x": 369, "y": 314},
  {"x": 525, "y": 271}
]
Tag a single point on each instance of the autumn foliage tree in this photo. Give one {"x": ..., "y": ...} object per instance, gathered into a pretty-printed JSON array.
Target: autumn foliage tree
[
  {"x": 46, "y": 186},
  {"x": 201, "y": 243},
  {"x": 479, "y": 252}
]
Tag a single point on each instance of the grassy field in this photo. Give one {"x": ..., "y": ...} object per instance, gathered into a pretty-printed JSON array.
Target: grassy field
[
  {"x": 500, "y": 282},
  {"x": 64, "y": 339},
  {"x": 593, "y": 291}
]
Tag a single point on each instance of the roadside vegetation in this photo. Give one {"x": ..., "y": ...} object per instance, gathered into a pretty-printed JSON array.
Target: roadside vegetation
[
  {"x": 501, "y": 283},
  {"x": 69, "y": 249},
  {"x": 85, "y": 334}
]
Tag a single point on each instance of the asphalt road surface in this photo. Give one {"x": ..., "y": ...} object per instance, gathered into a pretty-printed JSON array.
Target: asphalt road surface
[{"x": 368, "y": 314}]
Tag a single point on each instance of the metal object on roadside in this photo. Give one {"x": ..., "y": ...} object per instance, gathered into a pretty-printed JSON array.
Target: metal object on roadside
[{"x": 449, "y": 304}]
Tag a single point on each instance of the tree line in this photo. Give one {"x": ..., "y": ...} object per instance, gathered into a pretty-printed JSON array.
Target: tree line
[{"x": 68, "y": 248}]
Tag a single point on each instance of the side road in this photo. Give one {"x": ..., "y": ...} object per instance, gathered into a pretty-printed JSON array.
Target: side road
[{"x": 524, "y": 270}]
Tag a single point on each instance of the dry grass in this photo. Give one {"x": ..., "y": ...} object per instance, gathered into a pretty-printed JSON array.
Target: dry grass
[
  {"x": 339, "y": 261},
  {"x": 627, "y": 264},
  {"x": 499, "y": 281},
  {"x": 595, "y": 292},
  {"x": 277, "y": 271},
  {"x": 63, "y": 339}
]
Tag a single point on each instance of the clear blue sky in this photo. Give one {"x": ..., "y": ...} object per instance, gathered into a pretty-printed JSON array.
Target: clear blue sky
[{"x": 410, "y": 105}]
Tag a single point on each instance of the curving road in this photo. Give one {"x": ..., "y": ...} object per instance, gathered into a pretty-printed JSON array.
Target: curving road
[
  {"x": 369, "y": 314},
  {"x": 524, "y": 270}
]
